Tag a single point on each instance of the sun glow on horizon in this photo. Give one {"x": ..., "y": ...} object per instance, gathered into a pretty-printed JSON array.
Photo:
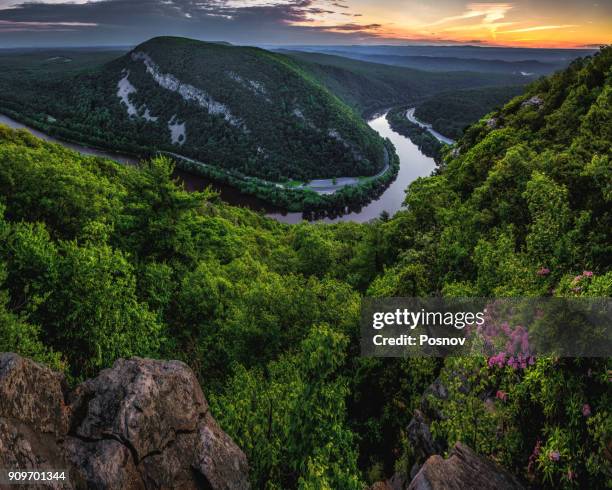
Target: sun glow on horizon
[
  {"x": 524, "y": 23},
  {"x": 486, "y": 23}
]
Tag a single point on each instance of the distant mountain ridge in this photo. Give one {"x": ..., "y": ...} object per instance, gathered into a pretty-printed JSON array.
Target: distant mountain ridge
[
  {"x": 369, "y": 86},
  {"x": 511, "y": 61}
]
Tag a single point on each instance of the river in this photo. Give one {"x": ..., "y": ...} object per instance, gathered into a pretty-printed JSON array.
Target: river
[
  {"x": 413, "y": 164},
  {"x": 441, "y": 138}
]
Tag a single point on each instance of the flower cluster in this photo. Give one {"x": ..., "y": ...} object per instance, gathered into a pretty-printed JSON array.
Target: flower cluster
[
  {"x": 501, "y": 395},
  {"x": 516, "y": 352},
  {"x": 586, "y": 410},
  {"x": 577, "y": 281},
  {"x": 543, "y": 271},
  {"x": 533, "y": 457}
]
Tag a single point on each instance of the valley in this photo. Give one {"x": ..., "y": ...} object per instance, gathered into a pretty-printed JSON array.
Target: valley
[
  {"x": 413, "y": 164},
  {"x": 181, "y": 341},
  {"x": 312, "y": 106}
]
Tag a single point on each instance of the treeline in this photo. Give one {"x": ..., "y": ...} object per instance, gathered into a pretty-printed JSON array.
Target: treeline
[
  {"x": 312, "y": 204},
  {"x": 451, "y": 112},
  {"x": 99, "y": 261},
  {"x": 370, "y": 87},
  {"x": 273, "y": 119},
  {"x": 427, "y": 143}
]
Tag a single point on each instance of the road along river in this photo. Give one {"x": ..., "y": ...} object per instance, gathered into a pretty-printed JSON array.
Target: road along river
[
  {"x": 413, "y": 164},
  {"x": 442, "y": 139}
]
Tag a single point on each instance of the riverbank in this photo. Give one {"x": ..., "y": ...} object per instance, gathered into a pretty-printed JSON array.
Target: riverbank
[
  {"x": 317, "y": 196},
  {"x": 316, "y": 199},
  {"x": 412, "y": 163},
  {"x": 441, "y": 138},
  {"x": 427, "y": 143}
]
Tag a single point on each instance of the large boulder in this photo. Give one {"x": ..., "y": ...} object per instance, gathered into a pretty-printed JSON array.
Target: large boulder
[
  {"x": 141, "y": 424},
  {"x": 33, "y": 416},
  {"x": 463, "y": 469}
]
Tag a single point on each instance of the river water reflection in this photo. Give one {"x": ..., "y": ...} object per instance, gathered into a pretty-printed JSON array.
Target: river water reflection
[{"x": 413, "y": 164}]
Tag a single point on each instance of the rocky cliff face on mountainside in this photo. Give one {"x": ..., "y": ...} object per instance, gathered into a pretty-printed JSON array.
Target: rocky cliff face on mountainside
[{"x": 141, "y": 424}]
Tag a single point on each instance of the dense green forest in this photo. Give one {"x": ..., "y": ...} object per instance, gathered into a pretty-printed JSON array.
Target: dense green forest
[
  {"x": 368, "y": 87},
  {"x": 98, "y": 260},
  {"x": 450, "y": 112},
  {"x": 237, "y": 108},
  {"x": 260, "y": 107},
  {"x": 426, "y": 142}
]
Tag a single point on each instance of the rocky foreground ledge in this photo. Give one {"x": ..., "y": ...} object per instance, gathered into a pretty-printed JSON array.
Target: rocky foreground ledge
[
  {"x": 462, "y": 470},
  {"x": 141, "y": 424}
]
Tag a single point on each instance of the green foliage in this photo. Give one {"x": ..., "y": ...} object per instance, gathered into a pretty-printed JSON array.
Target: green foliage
[
  {"x": 291, "y": 420},
  {"x": 450, "y": 112},
  {"x": 547, "y": 423},
  {"x": 273, "y": 119},
  {"x": 17, "y": 335},
  {"x": 99, "y": 260},
  {"x": 425, "y": 141},
  {"x": 370, "y": 87}
]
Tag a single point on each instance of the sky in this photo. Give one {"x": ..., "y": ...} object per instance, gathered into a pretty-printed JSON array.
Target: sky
[{"x": 524, "y": 23}]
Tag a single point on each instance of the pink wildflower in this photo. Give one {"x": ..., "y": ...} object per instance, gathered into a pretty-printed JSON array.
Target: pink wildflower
[
  {"x": 587, "y": 273},
  {"x": 586, "y": 410},
  {"x": 554, "y": 455},
  {"x": 534, "y": 456},
  {"x": 543, "y": 271},
  {"x": 501, "y": 395}
]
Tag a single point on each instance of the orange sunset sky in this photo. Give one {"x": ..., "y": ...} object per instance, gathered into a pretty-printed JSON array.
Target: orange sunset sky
[
  {"x": 546, "y": 23},
  {"x": 525, "y": 23}
]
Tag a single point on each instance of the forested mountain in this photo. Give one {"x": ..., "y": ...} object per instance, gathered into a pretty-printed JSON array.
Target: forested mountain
[
  {"x": 451, "y": 112},
  {"x": 528, "y": 63},
  {"x": 237, "y": 108},
  {"x": 441, "y": 63},
  {"x": 373, "y": 86},
  {"x": 98, "y": 261},
  {"x": 249, "y": 118}
]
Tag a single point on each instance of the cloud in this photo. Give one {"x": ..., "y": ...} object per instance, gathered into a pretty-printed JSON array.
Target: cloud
[
  {"x": 490, "y": 13},
  {"x": 133, "y": 21},
  {"x": 539, "y": 28},
  {"x": 350, "y": 27},
  {"x": 11, "y": 26}
]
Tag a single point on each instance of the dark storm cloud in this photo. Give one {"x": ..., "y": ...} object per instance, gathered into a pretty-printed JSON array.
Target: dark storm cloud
[{"x": 132, "y": 21}]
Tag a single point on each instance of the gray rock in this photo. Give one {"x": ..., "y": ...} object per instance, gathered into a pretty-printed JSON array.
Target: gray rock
[
  {"x": 32, "y": 394},
  {"x": 463, "y": 470},
  {"x": 104, "y": 465},
  {"x": 397, "y": 482},
  {"x": 492, "y": 123},
  {"x": 420, "y": 437},
  {"x": 535, "y": 101},
  {"x": 142, "y": 403},
  {"x": 437, "y": 391},
  {"x": 33, "y": 417},
  {"x": 141, "y": 424}
]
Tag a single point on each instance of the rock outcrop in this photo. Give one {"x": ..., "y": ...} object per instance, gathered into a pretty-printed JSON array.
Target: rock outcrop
[
  {"x": 141, "y": 424},
  {"x": 463, "y": 469},
  {"x": 535, "y": 101}
]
